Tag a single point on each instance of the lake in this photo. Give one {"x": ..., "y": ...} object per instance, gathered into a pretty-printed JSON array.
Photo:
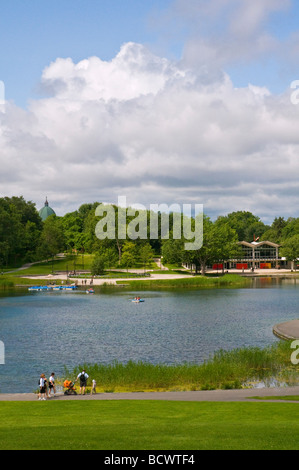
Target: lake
[{"x": 43, "y": 332}]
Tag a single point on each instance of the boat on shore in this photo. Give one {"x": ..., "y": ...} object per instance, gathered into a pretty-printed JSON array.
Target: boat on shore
[{"x": 52, "y": 288}]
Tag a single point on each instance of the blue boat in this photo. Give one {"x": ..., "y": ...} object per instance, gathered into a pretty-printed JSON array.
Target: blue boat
[{"x": 52, "y": 288}]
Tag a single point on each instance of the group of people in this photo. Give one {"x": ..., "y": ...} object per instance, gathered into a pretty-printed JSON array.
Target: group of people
[{"x": 47, "y": 387}]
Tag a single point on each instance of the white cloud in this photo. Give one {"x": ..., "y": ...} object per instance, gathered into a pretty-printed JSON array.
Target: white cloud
[{"x": 152, "y": 130}]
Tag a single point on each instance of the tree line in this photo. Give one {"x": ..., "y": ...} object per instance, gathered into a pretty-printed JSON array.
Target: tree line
[{"x": 25, "y": 238}]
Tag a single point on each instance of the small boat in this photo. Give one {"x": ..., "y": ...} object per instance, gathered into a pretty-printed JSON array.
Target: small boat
[
  {"x": 39, "y": 289},
  {"x": 52, "y": 288},
  {"x": 90, "y": 291},
  {"x": 138, "y": 301}
]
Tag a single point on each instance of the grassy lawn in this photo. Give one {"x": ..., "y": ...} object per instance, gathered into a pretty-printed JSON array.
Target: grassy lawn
[
  {"x": 228, "y": 280},
  {"x": 147, "y": 425},
  {"x": 284, "y": 398}
]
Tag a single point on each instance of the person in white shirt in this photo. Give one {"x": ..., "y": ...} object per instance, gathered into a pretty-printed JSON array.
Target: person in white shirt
[
  {"x": 52, "y": 384},
  {"x": 83, "y": 381},
  {"x": 42, "y": 387}
]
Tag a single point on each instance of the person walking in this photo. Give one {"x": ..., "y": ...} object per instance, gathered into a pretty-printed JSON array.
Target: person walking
[
  {"x": 83, "y": 376},
  {"x": 52, "y": 385},
  {"x": 42, "y": 387}
]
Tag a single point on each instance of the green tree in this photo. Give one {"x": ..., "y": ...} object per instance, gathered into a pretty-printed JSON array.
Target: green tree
[
  {"x": 146, "y": 254},
  {"x": 246, "y": 225},
  {"x": 219, "y": 244},
  {"x": 52, "y": 239},
  {"x": 173, "y": 252},
  {"x": 99, "y": 265},
  {"x": 128, "y": 259},
  {"x": 20, "y": 228},
  {"x": 290, "y": 249}
]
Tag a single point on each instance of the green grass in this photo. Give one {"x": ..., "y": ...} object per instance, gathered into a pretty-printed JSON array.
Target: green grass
[
  {"x": 228, "y": 280},
  {"x": 148, "y": 425},
  {"x": 6, "y": 283},
  {"x": 69, "y": 263},
  {"x": 284, "y": 398},
  {"x": 223, "y": 370}
]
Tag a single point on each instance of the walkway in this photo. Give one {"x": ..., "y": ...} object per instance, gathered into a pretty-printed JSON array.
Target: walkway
[
  {"x": 212, "y": 396},
  {"x": 288, "y": 330}
]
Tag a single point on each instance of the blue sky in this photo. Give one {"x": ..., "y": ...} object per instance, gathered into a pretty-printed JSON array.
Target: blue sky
[
  {"x": 163, "y": 101},
  {"x": 34, "y": 33}
]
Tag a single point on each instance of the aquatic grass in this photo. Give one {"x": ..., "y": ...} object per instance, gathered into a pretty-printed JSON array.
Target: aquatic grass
[
  {"x": 225, "y": 369},
  {"x": 6, "y": 284},
  {"x": 228, "y": 280}
]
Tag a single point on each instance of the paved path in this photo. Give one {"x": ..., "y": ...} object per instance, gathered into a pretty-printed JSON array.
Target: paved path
[
  {"x": 213, "y": 395},
  {"x": 288, "y": 330},
  {"x": 108, "y": 281}
]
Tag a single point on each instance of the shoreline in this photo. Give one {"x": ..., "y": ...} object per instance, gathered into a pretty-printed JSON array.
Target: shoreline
[{"x": 258, "y": 273}]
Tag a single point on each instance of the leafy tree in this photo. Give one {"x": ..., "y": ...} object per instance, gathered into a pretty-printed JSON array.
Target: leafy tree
[
  {"x": 245, "y": 224},
  {"x": 52, "y": 239},
  {"x": 219, "y": 244},
  {"x": 173, "y": 251},
  {"x": 20, "y": 228},
  {"x": 128, "y": 259},
  {"x": 275, "y": 232},
  {"x": 291, "y": 228},
  {"x": 146, "y": 254},
  {"x": 99, "y": 265},
  {"x": 206, "y": 254},
  {"x": 290, "y": 249}
]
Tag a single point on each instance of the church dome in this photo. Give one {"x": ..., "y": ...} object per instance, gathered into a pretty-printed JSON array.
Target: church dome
[{"x": 46, "y": 211}]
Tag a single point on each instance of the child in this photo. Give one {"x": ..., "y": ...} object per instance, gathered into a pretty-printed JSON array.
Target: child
[{"x": 94, "y": 387}]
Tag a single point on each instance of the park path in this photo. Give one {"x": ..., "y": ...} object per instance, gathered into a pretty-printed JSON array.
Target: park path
[{"x": 211, "y": 396}]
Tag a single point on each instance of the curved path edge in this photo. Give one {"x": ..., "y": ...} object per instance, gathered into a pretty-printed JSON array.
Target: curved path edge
[
  {"x": 213, "y": 395},
  {"x": 288, "y": 330}
]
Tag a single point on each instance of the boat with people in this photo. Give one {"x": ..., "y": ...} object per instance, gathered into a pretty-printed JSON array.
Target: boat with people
[
  {"x": 90, "y": 291},
  {"x": 138, "y": 300}
]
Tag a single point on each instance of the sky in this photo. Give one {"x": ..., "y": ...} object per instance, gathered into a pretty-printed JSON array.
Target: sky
[{"x": 163, "y": 101}]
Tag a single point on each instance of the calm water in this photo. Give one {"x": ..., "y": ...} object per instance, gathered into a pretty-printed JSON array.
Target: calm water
[{"x": 42, "y": 332}]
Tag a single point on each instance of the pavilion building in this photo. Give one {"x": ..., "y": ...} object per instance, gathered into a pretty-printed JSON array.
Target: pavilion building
[{"x": 257, "y": 255}]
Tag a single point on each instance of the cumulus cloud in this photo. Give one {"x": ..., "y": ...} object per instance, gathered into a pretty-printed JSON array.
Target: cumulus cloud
[{"x": 155, "y": 131}]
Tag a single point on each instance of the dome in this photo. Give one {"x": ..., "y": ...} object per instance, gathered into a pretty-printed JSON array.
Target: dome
[{"x": 46, "y": 211}]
